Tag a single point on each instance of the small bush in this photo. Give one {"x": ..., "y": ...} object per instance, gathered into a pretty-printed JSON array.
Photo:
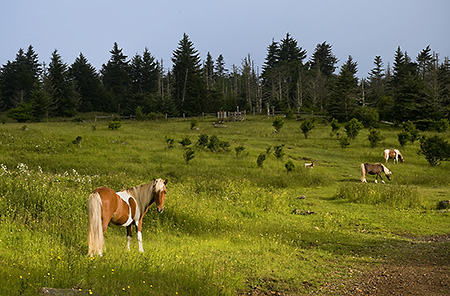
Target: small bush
[
  {"x": 278, "y": 124},
  {"x": 289, "y": 166},
  {"x": 435, "y": 149},
  {"x": 186, "y": 141},
  {"x": 442, "y": 125},
  {"x": 194, "y": 123},
  {"x": 306, "y": 127},
  {"x": 344, "y": 142},
  {"x": 403, "y": 138},
  {"x": 412, "y": 130},
  {"x": 189, "y": 154},
  {"x": 353, "y": 127},
  {"x": 374, "y": 137},
  {"x": 239, "y": 149},
  {"x": 335, "y": 127},
  {"x": 279, "y": 151},
  {"x": 203, "y": 140},
  {"x": 170, "y": 143},
  {"x": 260, "y": 160},
  {"x": 114, "y": 125}
]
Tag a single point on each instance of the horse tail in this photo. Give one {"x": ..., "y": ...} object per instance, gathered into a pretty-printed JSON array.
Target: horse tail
[
  {"x": 95, "y": 231},
  {"x": 363, "y": 173}
]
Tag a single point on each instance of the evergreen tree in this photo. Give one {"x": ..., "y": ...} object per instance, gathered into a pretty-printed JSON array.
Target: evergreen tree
[
  {"x": 17, "y": 78},
  {"x": 64, "y": 93},
  {"x": 323, "y": 65},
  {"x": 376, "y": 83},
  {"x": 189, "y": 88},
  {"x": 116, "y": 79},
  {"x": 344, "y": 96},
  {"x": 88, "y": 85}
]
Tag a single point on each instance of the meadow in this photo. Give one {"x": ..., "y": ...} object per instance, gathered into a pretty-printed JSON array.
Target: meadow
[{"x": 230, "y": 226}]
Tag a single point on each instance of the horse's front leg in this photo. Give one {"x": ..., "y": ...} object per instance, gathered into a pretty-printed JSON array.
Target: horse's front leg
[
  {"x": 139, "y": 235},
  {"x": 382, "y": 181},
  {"x": 129, "y": 235}
]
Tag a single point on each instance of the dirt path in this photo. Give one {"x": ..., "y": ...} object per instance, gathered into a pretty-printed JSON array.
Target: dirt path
[{"x": 422, "y": 268}]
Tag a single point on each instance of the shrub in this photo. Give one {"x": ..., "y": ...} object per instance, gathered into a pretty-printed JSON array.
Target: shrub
[
  {"x": 435, "y": 149},
  {"x": 170, "y": 143},
  {"x": 289, "y": 166},
  {"x": 368, "y": 116},
  {"x": 279, "y": 152},
  {"x": 22, "y": 113},
  {"x": 442, "y": 125},
  {"x": 189, "y": 154},
  {"x": 194, "y": 123},
  {"x": 306, "y": 127},
  {"x": 353, "y": 127},
  {"x": 374, "y": 137},
  {"x": 114, "y": 125},
  {"x": 403, "y": 137},
  {"x": 186, "y": 141},
  {"x": 203, "y": 140},
  {"x": 239, "y": 149},
  {"x": 412, "y": 130},
  {"x": 278, "y": 124},
  {"x": 140, "y": 116},
  {"x": 344, "y": 142},
  {"x": 335, "y": 127},
  {"x": 261, "y": 159}
]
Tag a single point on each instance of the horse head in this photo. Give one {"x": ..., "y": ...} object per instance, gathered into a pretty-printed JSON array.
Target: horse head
[
  {"x": 387, "y": 172},
  {"x": 159, "y": 194}
]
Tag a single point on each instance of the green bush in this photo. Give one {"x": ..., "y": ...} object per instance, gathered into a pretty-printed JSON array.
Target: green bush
[
  {"x": 374, "y": 137},
  {"x": 289, "y": 166},
  {"x": 186, "y": 141},
  {"x": 403, "y": 138},
  {"x": 114, "y": 125},
  {"x": 260, "y": 160},
  {"x": 279, "y": 151},
  {"x": 442, "y": 125},
  {"x": 278, "y": 124},
  {"x": 344, "y": 142},
  {"x": 189, "y": 154},
  {"x": 435, "y": 149},
  {"x": 239, "y": 149},
  {"x": 353, "y": 127},
  {"x": 306, "y": 127}
]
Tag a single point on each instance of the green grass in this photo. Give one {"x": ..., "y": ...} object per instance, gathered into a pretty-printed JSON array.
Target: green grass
[{"x": 229, "y": 227}]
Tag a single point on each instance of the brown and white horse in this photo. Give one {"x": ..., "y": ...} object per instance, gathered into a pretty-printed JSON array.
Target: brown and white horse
[
  {"x": 124, "y": 208},
  {"x": 394, "y": 154},
  {"x": 374, "y": 169}
]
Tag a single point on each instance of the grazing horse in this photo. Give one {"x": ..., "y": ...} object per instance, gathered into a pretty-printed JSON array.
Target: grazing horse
[
  {"x": 309, "y": 165},
  {"x": 122, "y": 208},
  {"x": 394, "y": 154},
  {"x": 374, "y": 169}
]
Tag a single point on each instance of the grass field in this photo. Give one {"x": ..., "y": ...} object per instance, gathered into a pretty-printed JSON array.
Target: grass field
[{"x": 230, "y": 227}]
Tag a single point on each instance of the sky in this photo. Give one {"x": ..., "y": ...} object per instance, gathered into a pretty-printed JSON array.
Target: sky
[{"x": 234, "y": 28}]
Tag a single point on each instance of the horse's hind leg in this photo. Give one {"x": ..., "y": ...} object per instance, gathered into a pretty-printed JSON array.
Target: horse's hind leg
[{"x": 129, "y": 236}]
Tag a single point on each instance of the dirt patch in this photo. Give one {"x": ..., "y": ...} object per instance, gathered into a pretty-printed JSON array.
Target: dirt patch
[{"x": 421, "y": 268}]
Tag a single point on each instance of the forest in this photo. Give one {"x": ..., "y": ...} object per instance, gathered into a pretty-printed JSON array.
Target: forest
[{"x": 415, "y": 89}]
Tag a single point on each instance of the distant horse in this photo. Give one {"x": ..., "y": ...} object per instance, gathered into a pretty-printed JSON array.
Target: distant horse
[
  {"x": 122, "y": 208},
  {"x": 374, "y": 169},
  {"x": 309, "y": 165},
  {"x": 394, "y": 154}
]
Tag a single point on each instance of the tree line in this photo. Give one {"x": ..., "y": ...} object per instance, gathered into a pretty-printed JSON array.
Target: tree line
[{"x": 412, "y": 89}]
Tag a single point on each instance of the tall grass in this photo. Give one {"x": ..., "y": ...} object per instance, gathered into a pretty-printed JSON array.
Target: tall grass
[{"x": 230, "y": 227}]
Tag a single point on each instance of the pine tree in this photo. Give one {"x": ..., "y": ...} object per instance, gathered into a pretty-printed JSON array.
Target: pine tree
[
  {"x": 64, "y": 93},
  {"x": 376, "y": 83},
  {"x": 344, "y": 97},
  {"x": 189, "y": 89},
  {"x": 88, "y": 85},
  {"x": 116, "y": 78}
]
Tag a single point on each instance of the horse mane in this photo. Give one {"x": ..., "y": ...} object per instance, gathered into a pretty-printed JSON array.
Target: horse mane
[
  {"x": 385, "y": 170},
  {"x": 143, "y": 194}
]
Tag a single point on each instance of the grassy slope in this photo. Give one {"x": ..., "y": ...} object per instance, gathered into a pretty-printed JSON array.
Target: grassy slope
[{"x": 228, "y": 227}]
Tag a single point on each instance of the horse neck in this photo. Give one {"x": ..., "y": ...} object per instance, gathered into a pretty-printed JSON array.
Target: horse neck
[{"x": 143, "y": 195}]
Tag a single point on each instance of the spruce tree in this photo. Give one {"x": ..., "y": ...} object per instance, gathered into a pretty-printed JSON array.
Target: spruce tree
[
  {"x": 189, "y": 88},
  {"x": 116, "y": 78}
]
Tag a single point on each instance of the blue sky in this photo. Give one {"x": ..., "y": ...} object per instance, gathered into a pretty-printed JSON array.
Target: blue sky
[{"x": 235, "y": 29}]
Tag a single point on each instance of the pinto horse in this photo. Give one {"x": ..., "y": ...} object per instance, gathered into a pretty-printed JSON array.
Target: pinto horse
[
  {"x": 122, "y": 208},
  {"x": 394, "y": 154},
  {"x": 374, "y": 169}
]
